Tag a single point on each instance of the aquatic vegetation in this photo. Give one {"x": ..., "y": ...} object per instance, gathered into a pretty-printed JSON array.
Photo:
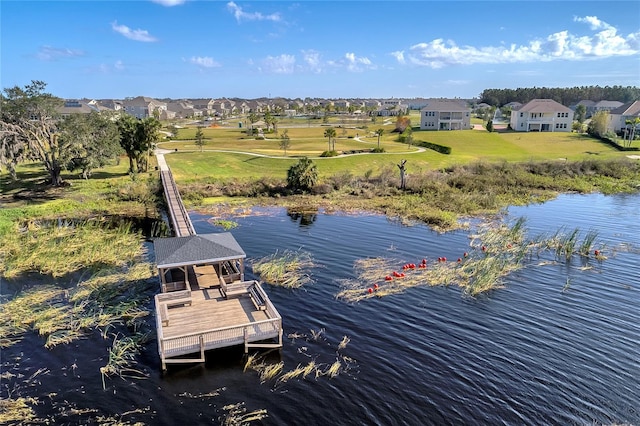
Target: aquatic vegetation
[
  {"x": 225, "y": 224},
  {"x": 237, "y": 415},
  {"x": 122, "y": 357},
  {"x": 287, "y": 269},
  {"x": 344, "y": 342},
  {"x": 66, "y": 247},
  {"x": 270, "y": 371},
  {"x": 497, "y": 250},
  {"x": 17, "y": 410}
]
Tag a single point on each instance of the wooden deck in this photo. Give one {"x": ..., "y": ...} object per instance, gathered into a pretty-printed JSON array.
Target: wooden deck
[{"x": 212, "y": 321}]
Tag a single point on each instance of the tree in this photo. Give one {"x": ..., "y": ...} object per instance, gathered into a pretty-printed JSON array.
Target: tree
[
  {"x": 303, "y": 175},
  {"x": 402, "y": 122},
  {"x": 403, "y": 175},
  {"x": 285, "y": 142},
  {"x": 91, "y": 141},
  {"x": 137, "y": 138},
  {"x": 379, "y": 133},
  {"x": 200, "y": 142},
  {"x": 407, "y": 136},
  {"x": 489, "y": 126},
  {"x": 29, "y": 128},
  {"x": 598, "y": 124},
  {"x": 252, "y": 119},
  {"x": 174, "y": 131},
  {"x": 633, "y": 122},
  {"x": 331, "y": 134},
  {"x": 581, "y": 113}
]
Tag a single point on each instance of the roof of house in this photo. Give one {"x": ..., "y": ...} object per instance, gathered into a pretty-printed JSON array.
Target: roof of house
[
  {"x": 586, "y": 102},
  {"x": 607, "y": 104},
  {"x": 630, "y": 108},
  {"x": 445, "y": 105},
  {"x": 142, "y": 101},
  {"x": 196, "y": 249},
  {"x": 543, "y": 105}
]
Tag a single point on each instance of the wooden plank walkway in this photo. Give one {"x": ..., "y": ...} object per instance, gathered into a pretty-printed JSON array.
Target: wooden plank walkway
[{"x": 180, "y": 219}]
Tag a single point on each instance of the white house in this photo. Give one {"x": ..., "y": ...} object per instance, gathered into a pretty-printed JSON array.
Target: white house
[
  {"x": 618, "y": 117},
  {"x": 542, "y": 115},
  {"x": 445, "y": 114}
]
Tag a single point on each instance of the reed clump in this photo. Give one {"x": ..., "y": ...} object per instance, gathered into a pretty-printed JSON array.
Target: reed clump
[
  {"x": 237, "y": 415},
  {"x": 122, "y": 357},
  {"x": 288, "y": 269},
  {"x": 18, "y": 410}
]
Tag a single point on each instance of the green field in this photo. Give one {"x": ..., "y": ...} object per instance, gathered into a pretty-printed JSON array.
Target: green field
[{"x": 244, "y": 154}]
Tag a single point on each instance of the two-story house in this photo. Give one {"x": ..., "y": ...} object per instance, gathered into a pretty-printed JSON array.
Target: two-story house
[
  {"x": 618, "y": 117},
  {"x": 142, "y": 106},
  {"x": 542, "y": 115},
  {"x": 445, "y": 114}
]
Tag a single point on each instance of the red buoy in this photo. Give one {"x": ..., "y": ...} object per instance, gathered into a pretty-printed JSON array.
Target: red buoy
[
  {"x": 370, "y": 290},
  {"x": 388, "y": 278},
  {"x": 459, "y": 260},
  {"x": 375, "y": 286}
]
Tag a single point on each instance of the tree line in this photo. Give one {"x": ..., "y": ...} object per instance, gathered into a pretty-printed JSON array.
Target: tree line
[
  {"x": 33, "y": 129},
  {"x": 565, "y": 95}
]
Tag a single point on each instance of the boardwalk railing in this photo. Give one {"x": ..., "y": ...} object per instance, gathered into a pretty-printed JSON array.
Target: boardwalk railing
[{"x": 180, "y": 220}]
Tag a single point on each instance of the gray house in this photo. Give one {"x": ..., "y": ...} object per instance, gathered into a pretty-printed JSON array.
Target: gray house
[{"x": 445, "y": 114}]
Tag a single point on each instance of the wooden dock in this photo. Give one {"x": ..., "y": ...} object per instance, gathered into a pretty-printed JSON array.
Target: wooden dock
[{"x": 204, "y": 302}]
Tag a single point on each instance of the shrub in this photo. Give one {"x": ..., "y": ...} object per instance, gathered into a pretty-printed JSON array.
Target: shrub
[
  {"x": 303, "y": 175},
  {"x": 434, "y": 146},
  {"x": 329, "y": 154}
]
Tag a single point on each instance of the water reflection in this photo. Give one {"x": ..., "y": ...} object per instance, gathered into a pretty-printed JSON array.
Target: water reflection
[{"x": 304, "y": 218}]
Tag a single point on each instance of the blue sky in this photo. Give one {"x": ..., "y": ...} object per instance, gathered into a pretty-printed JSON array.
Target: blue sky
[{"x": 342, "y": 49}]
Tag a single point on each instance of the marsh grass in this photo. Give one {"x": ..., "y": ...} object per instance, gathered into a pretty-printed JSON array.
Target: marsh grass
[
  {"x": 18, "y": 410},
  {"x": 122, "y": 357},
  {"x": 288, "y": 269},
  {"x": 225, "y": 224},
  {"x": 497, "y": 250},
  {"x": 276, "y": 371},
  {"x": 237, "y": 415},
  {"x": 65, "y": 247}
]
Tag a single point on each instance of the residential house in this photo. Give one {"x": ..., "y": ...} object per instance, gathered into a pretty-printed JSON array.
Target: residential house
[
  {"x": 618, "y": 117},
  {"x": 542, "y": 115},
  {"x": 142, "y": 106},
  {"x": 74, "y": 106},
  {"x": 204, "y": 104},
  {"x": 445, "y": 114},
  {"x": 603, "y": 106}
]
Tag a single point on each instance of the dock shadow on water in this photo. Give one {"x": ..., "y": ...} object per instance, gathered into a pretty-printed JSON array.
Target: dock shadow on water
[{"x": 535, "y": 351}]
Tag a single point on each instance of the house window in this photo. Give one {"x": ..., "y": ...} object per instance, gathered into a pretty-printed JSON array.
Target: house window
[
  {"x": 521, "y": 124},
  {"x": 522, "y": 114}
]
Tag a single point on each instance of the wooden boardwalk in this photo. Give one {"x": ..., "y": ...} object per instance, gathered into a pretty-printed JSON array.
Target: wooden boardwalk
[
  {"x": 180, "y": 220},
  {"x": 204, "y": 302}
]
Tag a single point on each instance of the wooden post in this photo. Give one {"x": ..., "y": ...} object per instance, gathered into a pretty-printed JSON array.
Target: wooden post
[{"x": 402, "y": 168}]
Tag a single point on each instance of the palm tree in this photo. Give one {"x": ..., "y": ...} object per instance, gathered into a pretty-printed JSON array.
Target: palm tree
[
  {"x": 633, "y": 122},
  {"x": 379, "y": 132},
  {"x": 330, "y": 133}
]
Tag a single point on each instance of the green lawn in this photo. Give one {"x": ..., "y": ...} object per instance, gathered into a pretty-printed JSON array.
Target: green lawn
[{"x": 467, "y": 146}]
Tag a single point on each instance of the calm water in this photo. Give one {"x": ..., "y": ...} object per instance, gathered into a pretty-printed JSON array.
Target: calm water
[{"x": 529, "y": 353}]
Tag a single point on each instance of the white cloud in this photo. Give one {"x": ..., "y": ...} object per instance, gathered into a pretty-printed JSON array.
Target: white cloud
[
  {"x": 204, "y": 61},
  {"x": 312, "y": 60},
  {"x": 357, "y": 64},
  {"x": 241, "y": 15},
  {"x": 399, "y": 55},
  {"x": 119, "y": 66},
  {"x": 50, "y": 53},
  {"x": 169, "y": 3},
  {"x": 282, "y": 64},
  {"x": 439, "y": 53},
  {"x": 137, "y": 35},
  {"x": 593, "y": 21}
]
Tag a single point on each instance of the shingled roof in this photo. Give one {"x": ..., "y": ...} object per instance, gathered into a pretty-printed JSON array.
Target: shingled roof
[{"x": 196, "y": 249}]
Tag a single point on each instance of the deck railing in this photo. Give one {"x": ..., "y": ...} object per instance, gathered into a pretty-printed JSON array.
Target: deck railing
[{"x": 220, "y": 337}]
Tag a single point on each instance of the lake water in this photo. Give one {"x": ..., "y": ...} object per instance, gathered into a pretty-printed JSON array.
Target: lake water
[{"x": 559, "y": 344}]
